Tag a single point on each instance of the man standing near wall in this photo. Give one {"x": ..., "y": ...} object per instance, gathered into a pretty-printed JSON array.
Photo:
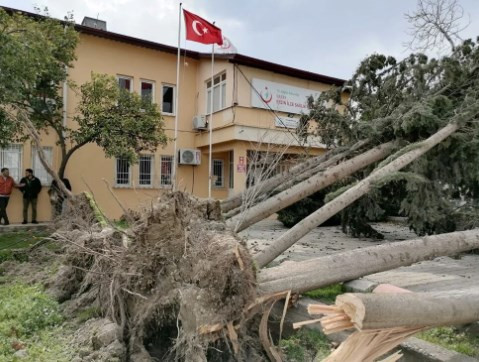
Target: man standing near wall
[
  {"x": 30, "y": 187},
  {"x": 6, "y": 186}
]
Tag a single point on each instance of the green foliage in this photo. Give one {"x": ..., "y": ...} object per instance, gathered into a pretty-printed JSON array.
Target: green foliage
[
  {"x": 451, "y": 338},
  {"x": 35, "y": 55},
  {"x": 327, "y": 294},
  {"x": 305, "y": 345},
  {"x": 293, "y": 214},
  {"x": 120, "y": 122},
  {"x": 29, "y": 317},
  {"x": 11, "y": 244},
  {"x": 406, "y": 102}
]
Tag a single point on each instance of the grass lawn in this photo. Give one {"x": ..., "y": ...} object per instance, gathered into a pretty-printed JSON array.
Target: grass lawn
[
  {"x": 327, "y": 294},
  {"x": 16, "y": 241},
  {"x": 453, "y": 339},
  {"x": 31, "y": 320},
  {"x": 305, "y": 345}
]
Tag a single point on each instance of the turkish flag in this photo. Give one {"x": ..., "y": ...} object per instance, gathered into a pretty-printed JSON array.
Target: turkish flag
[{"x": 201, "y": 31}]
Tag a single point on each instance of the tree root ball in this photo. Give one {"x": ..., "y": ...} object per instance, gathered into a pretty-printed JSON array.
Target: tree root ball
[{"x": 172, "y": 281}]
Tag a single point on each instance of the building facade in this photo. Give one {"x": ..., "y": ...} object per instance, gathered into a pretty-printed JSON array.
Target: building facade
[{"x": 256, "y": 109}]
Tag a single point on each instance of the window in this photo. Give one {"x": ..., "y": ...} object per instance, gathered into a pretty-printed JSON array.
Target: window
[
  {"x": 219, "y": 93},
  {"x": 168, "y": 99},
  {"x": 231, "y": 175},
  {"x": 122, "y": 172},
  {"x": 166, "y": 170},
  {"x": 147, "y": 91},
  {"x": 218, "y": 173},
  {"x": 125, "y": 83},
  {"x": 38, "y": 169},
  {"x": 145, "y": 167},
  {"x": 11, "y": 158}
]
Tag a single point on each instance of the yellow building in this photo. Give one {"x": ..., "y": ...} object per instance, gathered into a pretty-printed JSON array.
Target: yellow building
[{"x": 257, "y": 105}]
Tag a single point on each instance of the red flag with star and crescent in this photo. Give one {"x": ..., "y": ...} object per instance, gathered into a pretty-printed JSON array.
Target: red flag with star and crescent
[{"x": 200, "y": 30}]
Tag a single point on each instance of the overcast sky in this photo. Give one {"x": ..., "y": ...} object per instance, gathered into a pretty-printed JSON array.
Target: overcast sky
[{"x": 323, "y": 36}]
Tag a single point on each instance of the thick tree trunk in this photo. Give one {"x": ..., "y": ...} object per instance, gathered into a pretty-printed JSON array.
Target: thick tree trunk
[
  {"x": 352, "y": 264},
  {"x": 307, "y": 188},
  {"x": 392, "y": 310},
  {"x": 348, "y": 197},
  {"x": 270, "y": 184},
  {"x": 41, "y": 154}
]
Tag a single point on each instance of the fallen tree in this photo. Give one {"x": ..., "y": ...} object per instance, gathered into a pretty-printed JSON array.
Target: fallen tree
[
  {"x": 307, "y": 187},
  {"x": 349, "y": 196},
  {"x": 300, "y": 172},
  {"x": 319, "y": 272},
  {"x": 388, "y": 316}
]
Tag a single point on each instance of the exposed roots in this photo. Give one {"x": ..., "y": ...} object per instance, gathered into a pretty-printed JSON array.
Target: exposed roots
[{"x": 177, "y": 282}]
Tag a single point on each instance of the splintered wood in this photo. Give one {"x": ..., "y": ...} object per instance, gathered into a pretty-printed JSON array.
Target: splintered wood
[{"x": 387, "y": 317}]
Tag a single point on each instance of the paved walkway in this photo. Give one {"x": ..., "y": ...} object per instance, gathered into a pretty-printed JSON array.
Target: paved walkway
[{"x": 27, "y": 227}]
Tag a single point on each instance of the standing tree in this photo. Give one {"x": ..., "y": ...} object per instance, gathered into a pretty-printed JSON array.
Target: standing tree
[
  {"x": 435, "y": 22},
  {"x": 35, "y": 55}
]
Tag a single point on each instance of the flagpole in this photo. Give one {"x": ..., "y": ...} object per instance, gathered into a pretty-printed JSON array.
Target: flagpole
[
  {"x": 177, "y": 93},
  {"x": 210, "y": 126}
]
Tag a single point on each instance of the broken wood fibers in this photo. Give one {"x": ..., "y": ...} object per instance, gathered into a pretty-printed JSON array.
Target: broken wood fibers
[{"x": 389, "y": 316}]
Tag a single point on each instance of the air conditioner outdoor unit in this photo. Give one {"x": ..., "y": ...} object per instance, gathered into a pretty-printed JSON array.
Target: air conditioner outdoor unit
[
  {"x": 199, "y": 122},
  {"x": 189, "y": 157}
]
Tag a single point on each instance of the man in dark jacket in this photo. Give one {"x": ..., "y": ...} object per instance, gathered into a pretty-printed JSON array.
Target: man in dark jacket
[{"x": 30, "y": 187}]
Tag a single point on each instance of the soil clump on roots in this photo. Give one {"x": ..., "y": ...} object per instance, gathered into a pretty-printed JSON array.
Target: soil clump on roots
[{"x": 178, "y": 284}]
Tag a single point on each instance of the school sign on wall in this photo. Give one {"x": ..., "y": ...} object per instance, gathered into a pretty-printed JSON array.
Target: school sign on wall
[{"x": 280, "y": 97}]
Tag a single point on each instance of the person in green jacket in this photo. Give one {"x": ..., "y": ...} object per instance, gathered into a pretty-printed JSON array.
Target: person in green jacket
[{"x": 30, "y": 186}]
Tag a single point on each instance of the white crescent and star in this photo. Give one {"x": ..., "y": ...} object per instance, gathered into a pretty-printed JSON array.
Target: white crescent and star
[{"x": 195, "y": 29}]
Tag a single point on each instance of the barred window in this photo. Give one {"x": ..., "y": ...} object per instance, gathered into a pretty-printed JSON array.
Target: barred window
[
  {"x": 218, "y": 173},
  {"x": 38, "y": 169},
  {"x": 11, "y": 158},
  {"x": 122, "y": 172},
  {"x": 145, "y": 170},
  {"x": 166, "y": 170}
]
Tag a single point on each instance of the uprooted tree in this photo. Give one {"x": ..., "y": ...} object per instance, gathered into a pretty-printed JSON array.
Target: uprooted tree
[
  {"x": 178, "y": 273},
  {"x": 405, "y": 102}
]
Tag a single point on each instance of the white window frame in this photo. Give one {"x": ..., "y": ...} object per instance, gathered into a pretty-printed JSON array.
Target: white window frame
[
  {"x": 118, "y": 77},
  {"x": 210, "y": 90},
  {"x": 171, "y": 158},
  {"x": 153, "y": 90},
  {"x": 15, "y": 172},
  {"x": 163, "y": 85},
  {"x": 222, "y": 163},
  {"x": 38, "y": 169},
  {"x": 116, "y": 174},
  {"x": 152, "y": 170}
]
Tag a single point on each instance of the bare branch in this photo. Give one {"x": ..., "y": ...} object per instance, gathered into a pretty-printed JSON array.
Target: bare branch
[{"x": 434, "y": 23}]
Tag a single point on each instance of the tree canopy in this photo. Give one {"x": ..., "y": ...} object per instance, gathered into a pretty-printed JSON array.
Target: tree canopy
[
  {"x": 405, "y": 102},
  {"x": 35, "y": 54}
]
